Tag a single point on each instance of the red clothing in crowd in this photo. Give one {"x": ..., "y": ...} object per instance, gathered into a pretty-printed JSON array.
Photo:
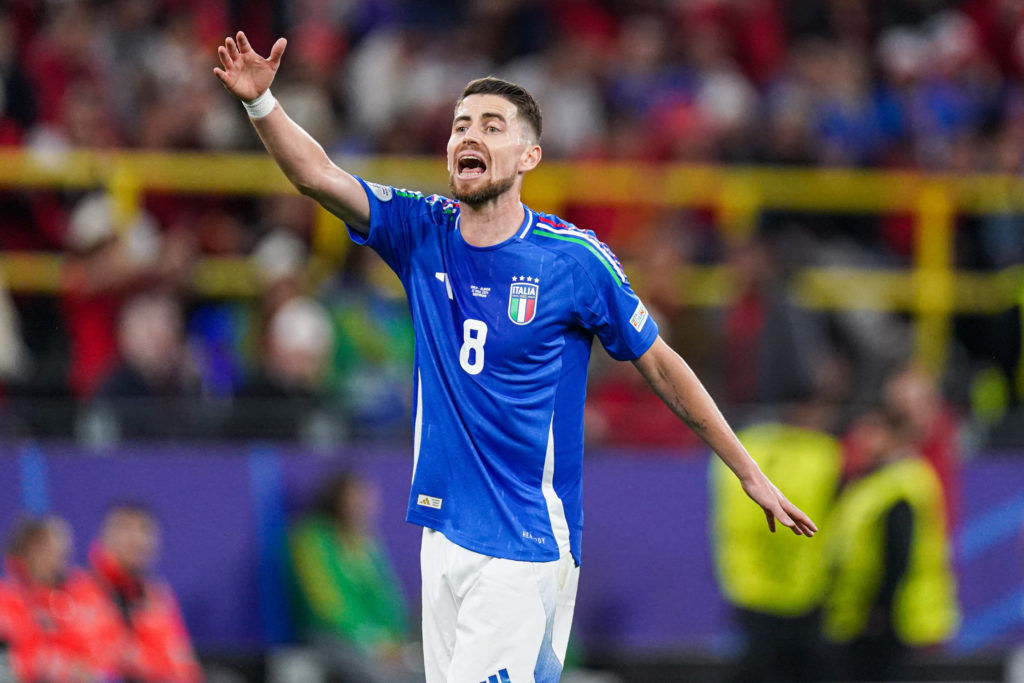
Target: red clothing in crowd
[
  {"x": 92, "y": 327},
  {"x": 940, "y": 447},
  {"x": 630, "y": 414},
  {"x": 156, "y": 646},
  {"x": 65, "y": 633}
]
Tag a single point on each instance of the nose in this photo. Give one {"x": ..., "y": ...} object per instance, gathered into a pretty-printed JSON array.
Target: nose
[{"x": 471, "y": 135}]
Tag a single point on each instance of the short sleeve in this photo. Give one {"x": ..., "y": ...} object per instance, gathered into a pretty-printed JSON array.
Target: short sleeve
[
  {"x": 399, "y": 221},
  {"x": 607, "y": 306}
]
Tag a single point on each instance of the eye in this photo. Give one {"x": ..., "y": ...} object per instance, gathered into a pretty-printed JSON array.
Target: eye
[
  {"x": 493, "y": 129},
  {"x": 461, "y": 128}
]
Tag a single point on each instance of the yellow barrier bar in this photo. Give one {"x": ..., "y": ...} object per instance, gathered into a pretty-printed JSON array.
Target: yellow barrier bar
[
  {"x": 31, "y": 271},
  {"x": 550, "y": 187},
  {"x": 225, "y": 277},
  {"x": 932, "y": 293},
  {"x": 823, "y": 289},
  {"x": 126, "y": 192},
  {"x": 933, "y": 278},
  {"x": 330, "y": 238},
  {"x": 739, "y": 207}
]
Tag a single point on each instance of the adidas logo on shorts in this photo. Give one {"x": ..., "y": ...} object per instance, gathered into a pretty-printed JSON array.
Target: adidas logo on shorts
[{"x": 500, "y": 677}]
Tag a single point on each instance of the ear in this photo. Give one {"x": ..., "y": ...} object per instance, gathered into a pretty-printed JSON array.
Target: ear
[{"x": 530, "y": 158}]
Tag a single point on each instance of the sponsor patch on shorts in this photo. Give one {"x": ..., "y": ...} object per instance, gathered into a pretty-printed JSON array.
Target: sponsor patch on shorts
[
  {"x": 429, "y": 501},
  {"x": 381, "y": 192},
  {"x": 639, "y": 317}
]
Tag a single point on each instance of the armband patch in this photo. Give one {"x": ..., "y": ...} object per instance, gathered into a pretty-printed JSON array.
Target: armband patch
[
  {"x": 381, "y": 192},
  {"x": 639, "y": 317}
]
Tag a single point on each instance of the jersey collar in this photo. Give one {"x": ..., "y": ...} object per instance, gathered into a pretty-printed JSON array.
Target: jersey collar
[{"x": 528, "y": 220}]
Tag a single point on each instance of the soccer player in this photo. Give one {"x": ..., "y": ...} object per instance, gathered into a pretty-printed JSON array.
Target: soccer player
[{"x": 505, "y": 303}]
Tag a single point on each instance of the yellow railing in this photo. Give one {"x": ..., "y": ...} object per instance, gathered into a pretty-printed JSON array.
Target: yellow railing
[{"x": 931, "y": 291}]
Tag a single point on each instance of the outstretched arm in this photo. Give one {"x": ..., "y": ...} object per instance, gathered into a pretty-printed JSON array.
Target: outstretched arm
[
  {"x": 677, "y": 385},
  {"x": 248, "y": 76}
]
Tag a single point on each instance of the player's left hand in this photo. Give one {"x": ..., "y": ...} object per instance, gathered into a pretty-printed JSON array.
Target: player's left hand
[{"x": 777, "y": 507}]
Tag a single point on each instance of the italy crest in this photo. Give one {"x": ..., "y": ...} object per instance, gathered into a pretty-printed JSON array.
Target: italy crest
[{"x": 522, "y": 300}]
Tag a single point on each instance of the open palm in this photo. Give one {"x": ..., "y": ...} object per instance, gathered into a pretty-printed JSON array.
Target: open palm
[{"x": 246, "y": 75}]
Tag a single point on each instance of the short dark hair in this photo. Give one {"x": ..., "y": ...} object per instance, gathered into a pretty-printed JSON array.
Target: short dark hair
[
  {"x": 516, "y": 94},
  {"x": 129, "y": 506},
  {"x": 335, "y": 486},
  {"x": 28, "y": 532}
]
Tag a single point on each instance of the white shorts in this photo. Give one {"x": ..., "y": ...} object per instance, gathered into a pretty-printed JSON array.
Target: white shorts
[{"x": 491, "y": 620}]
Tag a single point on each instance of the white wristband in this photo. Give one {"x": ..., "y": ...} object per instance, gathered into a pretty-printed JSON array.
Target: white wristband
[{"x": 261, "y": 106}]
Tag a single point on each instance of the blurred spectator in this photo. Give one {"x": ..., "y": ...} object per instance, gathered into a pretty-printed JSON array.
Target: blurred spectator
[
  {"x": 286, "y": 397},
  {"x": 932, "y": 84},
  {"x": 145, "y": 392},
  {"x": 59, "y": 624},
  {"x": 1001, "y": 234},
  {"x": 771, "y": 346},
  {"x": 307, "y": 88},
  {"x": 776, "y": 584},
  {"x": 65, "y": 54},
  {"x": 644, "y": 75},
  {"x": 279, "y": 260},
  {"x": 106, "y": 264},
  {"x": 348, "y": 603},
  {"x": 725, "y": 99},
  {"x": 377, "y": 72},
  {"x": 790, "y": 103},
  {"x": 14, "y": 358},
  {"x": 564, "y": 78},
  {"x": 154, "y": 646},
  {"x": 17, "y": 98},
  {"x": 399, "y": 81},
  {"x": 373, "y": 349},
  {"x": 913, "y": 397},
  {"x": 851, "y": 128},
  {"x": 622, "y": 410},
  {"x": 893, "y": 587}
]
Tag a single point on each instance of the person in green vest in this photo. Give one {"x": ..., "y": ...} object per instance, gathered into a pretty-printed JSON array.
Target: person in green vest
[
  {"x": 347, "y": 602},
  {"x": 893, "y": 588},
  {"x": 776, "y": 586}
]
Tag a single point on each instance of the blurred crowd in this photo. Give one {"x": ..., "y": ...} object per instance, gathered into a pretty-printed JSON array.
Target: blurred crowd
[
  {"x": 114, "y": 620},
  {"x": 877, "y": 587},
  {"x": 879, "y": 584},
  {"x": 110, "y": 621},
  {"x": 929, "y": 83},
  {"x": 126, "y": 348}
]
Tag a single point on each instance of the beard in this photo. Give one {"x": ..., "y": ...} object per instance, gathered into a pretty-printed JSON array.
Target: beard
[{"x": 490, "y": 191}]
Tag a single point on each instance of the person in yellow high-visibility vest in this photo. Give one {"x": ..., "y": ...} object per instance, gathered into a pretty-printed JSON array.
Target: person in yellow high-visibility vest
[
  {"x": 893, "y": 587},
  {"x": 776, "y": 586}
]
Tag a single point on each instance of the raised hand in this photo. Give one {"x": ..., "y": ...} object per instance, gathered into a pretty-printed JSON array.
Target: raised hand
[{"x": 246, "y": 75}]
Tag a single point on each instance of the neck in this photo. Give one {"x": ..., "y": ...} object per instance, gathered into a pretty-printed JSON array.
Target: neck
[{"x": 493, "y": 222}]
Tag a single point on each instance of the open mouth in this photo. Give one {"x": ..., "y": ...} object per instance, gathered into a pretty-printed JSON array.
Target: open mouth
[{"x": 470, "y": 165}]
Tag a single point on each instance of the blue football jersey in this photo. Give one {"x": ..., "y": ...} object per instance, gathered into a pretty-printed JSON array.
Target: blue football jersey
[{"x": 503, "y": 338}]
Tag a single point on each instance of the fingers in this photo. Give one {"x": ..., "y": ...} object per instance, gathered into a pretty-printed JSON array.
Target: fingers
[
  {"x": 803, "y": 522},
  {"x": 232, "y": 48},
  {"x": 243, "y": 42},
  {"x": 799, "y": 522},
  {"x": 221, "y": 74},
  {"x": 225, "y": 58},
  {"x": 778, "y": 508},
  {"x": 277, "y": 52},
  {"x": 786, "y": 521},
  {"x": 793, "y": 518}
]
